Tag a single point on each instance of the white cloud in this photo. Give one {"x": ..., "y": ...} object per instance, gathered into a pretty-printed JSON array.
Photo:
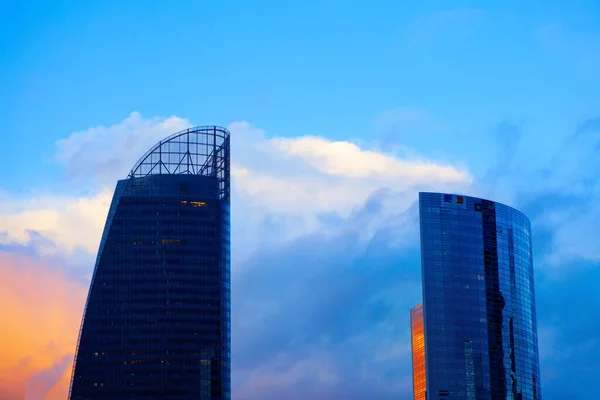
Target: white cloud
[
  {"x": 297, "y": 179},
  {"x": 68, "y": 222},
  {"x": 347, "y": 160},
  {"x": 291, "y": 180},
  {"x": 104, "y": 154}
]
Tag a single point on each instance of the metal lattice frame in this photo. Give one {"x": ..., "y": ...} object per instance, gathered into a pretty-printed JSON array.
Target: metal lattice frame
[{"x": 202, "y": 150}]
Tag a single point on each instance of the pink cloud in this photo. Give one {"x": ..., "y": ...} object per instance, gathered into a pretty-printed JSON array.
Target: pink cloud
[{"x": 40, "y": 313}]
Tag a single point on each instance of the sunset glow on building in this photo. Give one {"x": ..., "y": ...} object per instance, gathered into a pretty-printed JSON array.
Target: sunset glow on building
[{"x": 417, "y": 334}]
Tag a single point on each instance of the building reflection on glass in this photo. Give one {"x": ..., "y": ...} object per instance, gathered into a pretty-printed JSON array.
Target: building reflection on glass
[{"x": 418, "y": 352}]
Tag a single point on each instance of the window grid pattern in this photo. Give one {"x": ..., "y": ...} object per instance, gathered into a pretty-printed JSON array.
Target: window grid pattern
[
  {"x": 417, "y": 330},
  {"x": 478, "y": 300},
  {"x": 158, "y": 317}
]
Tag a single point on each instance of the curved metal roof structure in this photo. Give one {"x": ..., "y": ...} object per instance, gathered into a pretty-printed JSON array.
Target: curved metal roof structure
[{"x": 203, "y": 150}]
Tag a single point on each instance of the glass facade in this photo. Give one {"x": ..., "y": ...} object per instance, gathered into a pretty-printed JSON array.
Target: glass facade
[
  {"x": 478, "y": 300},
  {"x": 157, "y": 318},
  {"x": 417, "y": 334}
]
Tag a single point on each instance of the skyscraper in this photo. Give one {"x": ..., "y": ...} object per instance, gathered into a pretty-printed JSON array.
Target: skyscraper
[
  {"x": 478, "y": 300},
  {"x": 417, "y": 334},
  {"x": 157, "y": 319}
]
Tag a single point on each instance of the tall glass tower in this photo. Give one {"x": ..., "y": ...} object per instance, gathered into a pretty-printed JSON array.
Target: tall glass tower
[
  {"x": 478, "y": 300},
  {"x": 157, "y": 319}
]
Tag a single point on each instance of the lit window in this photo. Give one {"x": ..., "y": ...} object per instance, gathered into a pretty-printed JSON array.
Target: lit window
[{"x": 197, "y": 203}]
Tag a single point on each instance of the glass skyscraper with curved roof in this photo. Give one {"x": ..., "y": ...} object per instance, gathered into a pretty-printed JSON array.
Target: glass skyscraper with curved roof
[
  {"x": 157, "y": 319},
  {"x": 478, "y": 312}
]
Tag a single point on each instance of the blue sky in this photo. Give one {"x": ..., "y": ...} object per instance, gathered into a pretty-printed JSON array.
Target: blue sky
[
  {"x": 503, "y": 95},
  {"x": 327, "y": 68}
]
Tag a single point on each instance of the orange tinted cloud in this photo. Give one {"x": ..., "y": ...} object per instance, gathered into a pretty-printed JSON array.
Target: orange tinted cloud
[{"x": 40, "y": 313}]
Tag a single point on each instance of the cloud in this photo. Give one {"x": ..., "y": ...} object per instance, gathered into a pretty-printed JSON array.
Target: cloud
[
  {"x": 568, "y": 334},
  {"x": 560, "y": 196},
  {"x": 326, "y": 258},
  {"x": 327, "y": 205},
  {"x": 94, "y": 159},
  {"x": 67, "y": 223},
  {"x": 40, "y": 313},
  {"x": 347, "y": 160},
  {"x": 559, "y": 193},
  {"x": 289, "y": 182},
  {"x": 498, "y": 181},
  {"x": 40, "y": 384},
  {"x": 288, "y": 187},
  {"x": 561, "y": 199},
  {"x": 326, "y": 316},
  {"x": 105, "y": 153}
]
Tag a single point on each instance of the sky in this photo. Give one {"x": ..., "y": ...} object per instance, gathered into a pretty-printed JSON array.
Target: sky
[{"x": 340, "y": 113}]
